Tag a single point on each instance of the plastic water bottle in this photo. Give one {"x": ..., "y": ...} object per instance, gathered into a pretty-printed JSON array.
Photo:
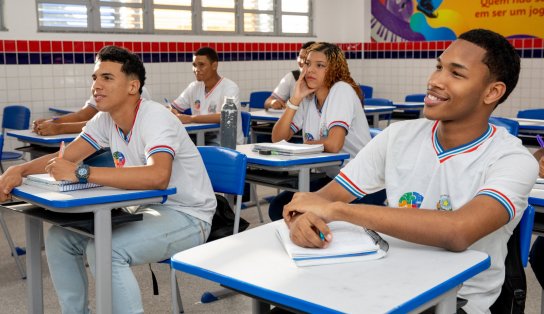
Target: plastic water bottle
[{"x": 229, "y": 121}]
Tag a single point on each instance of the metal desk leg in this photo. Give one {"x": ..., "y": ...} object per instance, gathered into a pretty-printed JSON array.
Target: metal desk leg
[
  {"x": 448, "y": 304},
  {"x": 102, "y": 238},
  {"x": 258, "y": 307},
  {"x": 304, "y": 180},
  {"x": 200, "y": 138},
  {"x": 34, "y": 232}
]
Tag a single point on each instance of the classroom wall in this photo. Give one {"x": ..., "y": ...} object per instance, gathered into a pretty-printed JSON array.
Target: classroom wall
[{"x": 53, "y": 69}]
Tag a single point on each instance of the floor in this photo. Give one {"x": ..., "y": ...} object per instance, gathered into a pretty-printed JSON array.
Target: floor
[{"x": 13, "y": 288}]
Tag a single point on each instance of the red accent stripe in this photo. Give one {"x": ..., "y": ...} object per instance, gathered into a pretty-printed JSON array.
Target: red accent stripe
[
  {"x": 506, "y": 198},
  {"x": 351, "y": 183},
  {"x": 213, "y": 88}
]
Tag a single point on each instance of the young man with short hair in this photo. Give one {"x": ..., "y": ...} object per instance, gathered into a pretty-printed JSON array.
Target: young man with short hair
[
  {"x": 453, "y": 180},
  {"x": 206, "y": 95},
  {"x": 151, "y": 150}
]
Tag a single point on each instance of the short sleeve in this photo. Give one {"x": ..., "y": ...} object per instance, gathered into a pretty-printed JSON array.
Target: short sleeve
[
  {"x": 165, "y": 136},
  {"x": 283, "y": 90},
  {"x": 96, "y": 131},
  {"x": 342, "y": 100},
  {"x": 183, "y": 102}
]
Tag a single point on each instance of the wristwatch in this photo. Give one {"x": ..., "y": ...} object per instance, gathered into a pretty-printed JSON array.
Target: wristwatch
[{"x": 82, "y": 172}]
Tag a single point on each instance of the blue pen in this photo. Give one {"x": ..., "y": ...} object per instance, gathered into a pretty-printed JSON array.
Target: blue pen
[
  {"x": 321, "y": 236},
  {"x": 540, "y": 140}
]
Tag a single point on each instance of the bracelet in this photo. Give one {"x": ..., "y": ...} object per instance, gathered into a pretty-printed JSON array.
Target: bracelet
[{"x": 290, "y": 105}]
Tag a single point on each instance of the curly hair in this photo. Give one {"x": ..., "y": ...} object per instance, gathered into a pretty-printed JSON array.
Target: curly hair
[{"x": 338, "y": 69}]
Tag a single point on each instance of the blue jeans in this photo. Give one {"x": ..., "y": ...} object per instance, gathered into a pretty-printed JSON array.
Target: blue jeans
[{"x": 162, "y": 233}]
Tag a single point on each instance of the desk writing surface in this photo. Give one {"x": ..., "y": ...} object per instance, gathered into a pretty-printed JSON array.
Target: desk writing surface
[
  {"x": 374, "y": 109},
  {"x": 101, "y": 195},
  {"x": 264, "y": 115},
  {"x": 31, "y": 137},
  {"x": 255, "y": 263},
  {"x": 200, "y": 126},
  {"x": 530, "y": 124},
  {"x": 284, "y": 161}
]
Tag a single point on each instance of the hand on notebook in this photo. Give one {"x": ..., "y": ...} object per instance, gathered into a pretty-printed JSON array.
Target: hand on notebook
[
  {"x": 10, "y": 179},
  {"x": 61, "y": 169},
  {"x": 303, "y": 202},
  {"x": 308, "y": 230}
]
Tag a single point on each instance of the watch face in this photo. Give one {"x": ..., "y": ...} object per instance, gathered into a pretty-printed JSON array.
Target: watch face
[{"x": 82, "y": 172}]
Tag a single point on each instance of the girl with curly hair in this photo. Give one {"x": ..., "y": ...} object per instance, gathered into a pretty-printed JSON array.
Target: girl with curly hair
[{"x": 326, "y": 105}]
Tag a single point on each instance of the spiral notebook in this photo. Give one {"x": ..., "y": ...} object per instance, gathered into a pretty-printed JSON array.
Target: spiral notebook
[
  {"x": 350, "y": 243},
  {"x": 45, "y": 181}
]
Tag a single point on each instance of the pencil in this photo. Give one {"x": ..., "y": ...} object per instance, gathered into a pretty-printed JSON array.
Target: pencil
[{"x": 61, "y": 151}]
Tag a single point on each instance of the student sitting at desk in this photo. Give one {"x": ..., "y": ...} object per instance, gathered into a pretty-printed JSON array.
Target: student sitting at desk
[
  {"x": 71, "y": 122},
  {"x": 206, "y": 95},
  {"x": 326, "y": 105},
  {"x": 453, "y": 180},
  {"x": 152, "y": 151},
  {"x": 286, "y": 87}
]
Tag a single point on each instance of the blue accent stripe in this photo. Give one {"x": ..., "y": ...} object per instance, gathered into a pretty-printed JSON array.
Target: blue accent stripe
[
  {"x": 463, "y": 148},
  {"x": 500, "y": 199},
  {"x": 91, "y": 141},
  {"x": 161, "y": 150},
  {"x": 343, "y": 182},
  {"x": 294, "y": 128}
]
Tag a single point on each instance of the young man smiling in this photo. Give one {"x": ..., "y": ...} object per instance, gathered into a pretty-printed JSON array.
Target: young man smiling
[
  {"x": 206, "y": 95},
  {"x": 151, "y": 151},
  {"x": 453, "y": 180}
]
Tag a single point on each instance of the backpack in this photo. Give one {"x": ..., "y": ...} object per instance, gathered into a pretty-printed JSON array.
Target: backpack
[
  {"x": 514, "y": 289},
  {"x": 223, "y": 220}
]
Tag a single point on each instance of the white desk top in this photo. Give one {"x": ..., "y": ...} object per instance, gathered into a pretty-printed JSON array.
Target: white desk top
[
  {"x": 376, "y": 109},
  {"x": 282, "y": 161},
  {"x": 31, "y": 137},
  {"x": 266, "y": 115},
  {"x": 254, "y": 262},
  {"x": 409, "y": 105},
  {"x": 64, "y": 110}
]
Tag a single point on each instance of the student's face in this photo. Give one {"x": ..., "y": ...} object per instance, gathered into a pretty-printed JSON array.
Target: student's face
[
  {"x": 301, "y": 59},
  {"x": 111, "y": 87},
  {"x": 457, "y": 87},
  {"x": 316, "y": 69},
  {"x": 203, "y": 68}
]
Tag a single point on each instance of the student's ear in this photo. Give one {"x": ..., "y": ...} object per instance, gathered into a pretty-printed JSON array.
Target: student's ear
[
  {"x": 495, "y": 91},
  {"x": 134, "y": 87},
  {"x": 215, "y": 64}
]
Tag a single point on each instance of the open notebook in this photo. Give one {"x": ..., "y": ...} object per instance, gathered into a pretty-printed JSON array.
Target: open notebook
[
  {"x": 285, "y": 148},
  {"x": 350, "y": 243},
  {"x": 45, "y": 181}
]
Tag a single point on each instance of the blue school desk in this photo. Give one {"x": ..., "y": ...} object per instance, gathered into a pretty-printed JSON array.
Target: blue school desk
[
  {"x": 200, "y": 129},
  {"x": 411, "y": 277},
  {"x": 27, "y": 136},
  {"x": 99, "y": 201},
  {"x": 410, "y": 106},
  {"x": 64, "y": 110}
]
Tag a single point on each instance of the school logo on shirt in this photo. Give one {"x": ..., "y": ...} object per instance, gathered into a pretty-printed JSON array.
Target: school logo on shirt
[
  {"x": 411, "y": 200},
  {"x": 196, "y": 107},
  {"x": 324, "y": 132},
  {"x": 119, "y": 159},
  {"x": 308, "y": 137},
  {"x": 212, "y": 108},
  {"x": 444, "y": 203}
]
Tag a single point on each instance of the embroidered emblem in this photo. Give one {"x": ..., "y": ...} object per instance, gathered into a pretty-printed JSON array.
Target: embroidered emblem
[
  {"x": 119, "y": 159},
  {"x": 411, "y": 200}
]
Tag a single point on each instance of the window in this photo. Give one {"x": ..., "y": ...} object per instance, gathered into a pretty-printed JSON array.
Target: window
[{"x": 258, "y": 17}]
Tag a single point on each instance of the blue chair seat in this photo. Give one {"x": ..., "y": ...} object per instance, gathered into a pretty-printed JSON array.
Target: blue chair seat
[{"x": 11, "y": 155}]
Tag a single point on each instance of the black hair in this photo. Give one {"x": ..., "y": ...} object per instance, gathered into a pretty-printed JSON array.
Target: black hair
[
  {"x": 131, "y": 63},
  {"x": 307, "y": 44},
  {"x": 500, "y": 57},
  {"x": 208, "y": 52}
]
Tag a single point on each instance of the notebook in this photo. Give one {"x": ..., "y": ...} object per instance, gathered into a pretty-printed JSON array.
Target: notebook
[
  {"x": 45, "y": 181},
  {"x": 285, "y": 148},
  {"x": 350, "y": 243}
]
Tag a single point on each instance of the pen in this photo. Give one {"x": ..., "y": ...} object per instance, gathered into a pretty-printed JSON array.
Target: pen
[
  {"x": 540, "y": 140},
  {"x": 321, "y": 236},
  {"x": 61, "y": 151}
]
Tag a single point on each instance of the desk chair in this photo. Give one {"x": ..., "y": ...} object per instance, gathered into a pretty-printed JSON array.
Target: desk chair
[
  {"x": 367, "y": 91},
  {"x": 256, "y": 99},
  {"x": 531, "y": 114},
  {"x": 511, "y": 126},
  {"x": 15, "y": 117},
  {"x": 410, "y": 114},
  {"x": 227, "y": 171},
  {"x": 380, "y": 102},
  {"x": 246, "y": 125}
]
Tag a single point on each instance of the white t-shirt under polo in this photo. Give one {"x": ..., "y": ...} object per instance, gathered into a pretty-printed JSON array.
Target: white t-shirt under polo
[
  {"x": 155, "y": 130},
  {"x": 408, "y": 161}
]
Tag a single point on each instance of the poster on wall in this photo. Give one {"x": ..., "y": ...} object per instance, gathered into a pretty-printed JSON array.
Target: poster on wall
[{"x": 429, "y": 20}]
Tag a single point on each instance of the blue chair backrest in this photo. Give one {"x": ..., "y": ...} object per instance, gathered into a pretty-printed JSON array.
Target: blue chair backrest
[
  {"x": 378, "y": 102},
  {"x": 246, "y": 123},
  {"x": 511, "y": 126},
  {"x": 525, "y": 232},
  {"x": 367, "y": 90},
  {"x": 531, "y": 114},
  {"x": 374, "y": 132},
  {"x": 226, "y": 168},
  {"x": 16, "y": 117},
  {"x": 415, "y": 97},
  {"x": 257, "y": 99}
]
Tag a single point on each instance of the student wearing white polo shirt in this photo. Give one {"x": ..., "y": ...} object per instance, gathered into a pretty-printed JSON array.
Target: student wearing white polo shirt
[
  {"x": 326, "y": 106},
  {"x": 453, "y": 180},
  {"x": 206, "y": 95}
]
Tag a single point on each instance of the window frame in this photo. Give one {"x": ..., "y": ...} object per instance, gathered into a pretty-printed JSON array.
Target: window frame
[{"x": 148, "y": 7}]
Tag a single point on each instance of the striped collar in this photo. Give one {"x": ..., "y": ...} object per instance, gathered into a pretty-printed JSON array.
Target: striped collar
[
  {"x": 444, "y": 155},
  {"x": 213, "y": 88},
  {"x": 127, "y": 137}
]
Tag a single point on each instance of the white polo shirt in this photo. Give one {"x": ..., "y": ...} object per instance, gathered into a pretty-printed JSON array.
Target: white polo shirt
[
  {"x": 342, "y": 108},
  {"x": 285, "y": 88},
  {"x": 200, "y": 102},
  {"x": 155, "y": 130},
  {"x": 408, "y": 161}
]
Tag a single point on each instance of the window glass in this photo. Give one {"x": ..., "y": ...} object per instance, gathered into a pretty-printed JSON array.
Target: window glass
[
  {"x": 258, "y": 22},
  {"x": 173, "y": 19},
  {"x": 259, "y": 5},
  {"x": 173, "y": 2},
  {"x": 123, "y": 1},
  {"x": 62, "y": 15},
  {"x": 298, "y": 6},
  {"x": 295, "y": 24},
  {"x": 121, "y": 17},
  {"x": 225, "y": 4},
  {"x": 218, "y": 21}
]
